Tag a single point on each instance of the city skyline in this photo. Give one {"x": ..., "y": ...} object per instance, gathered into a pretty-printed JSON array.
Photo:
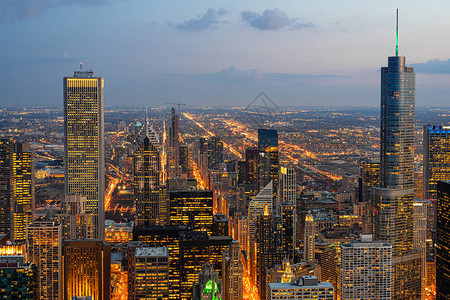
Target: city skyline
[{"x": 299, "y": 54}]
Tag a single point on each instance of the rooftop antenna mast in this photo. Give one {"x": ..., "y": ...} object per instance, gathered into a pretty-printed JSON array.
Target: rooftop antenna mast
[
  {"x": 81, "y": 66},
  {"x": 396, "y": 36}
]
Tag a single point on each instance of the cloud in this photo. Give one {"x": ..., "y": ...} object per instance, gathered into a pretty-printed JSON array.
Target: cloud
[
  {"x": 209, "y": 20},
  {"x": 434, "y": 66},
  {"x": 273, "y": 19},
  {"x": 25, "y": 9}
]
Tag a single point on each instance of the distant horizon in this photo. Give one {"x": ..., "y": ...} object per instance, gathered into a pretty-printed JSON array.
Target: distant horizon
[{"x": 215, "y": 52}]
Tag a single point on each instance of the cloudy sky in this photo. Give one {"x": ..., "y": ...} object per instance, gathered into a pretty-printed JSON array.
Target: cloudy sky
[{"x": 208, "y": 52}]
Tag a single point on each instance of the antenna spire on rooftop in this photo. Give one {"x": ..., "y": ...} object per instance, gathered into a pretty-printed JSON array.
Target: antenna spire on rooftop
[{"x": 396, "y": 36}]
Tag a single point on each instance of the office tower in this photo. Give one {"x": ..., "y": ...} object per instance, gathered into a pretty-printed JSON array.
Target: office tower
[
  {"x": 443, "y": 241},
  {"x": 306, "y": 287},
  {"x": 436, "y": 158},
  {"x": 418, "y": 184},
  {"x": 266, "y": 250},
  {"x": 173, "y": 153},
  {"x": 147, "y": 168},
  {"x": 150, "y": 273},
  {"x": 216, "y": 152},
  {"x": 393, "y": 200},
  {"x": 220, "y": 225},
  {"x": 232, "y": 272},
  {"x": 287, "y": 194},
  {"x": 370, "y": 177},
  {"x": 217, "y": 245},
  {"x": 163, "y": 236},
  {"x": 420, "y": 212},
  {"x": 84, "y": 146},
  {"x": 184, "y": 159},
  {"x": 44, "y": 251},
  {"x": 366, "y": 269},
  {"x": 193, "y": 208},
  {"x": 17, "y": 278},
  {"x": 256, "y": 208},
  {"x": 76, "y": 223},
  {"x": 86, "y": 269},
  {"x": 243, "y": 233},
  {"x": 208, "y": 285},
  {"x": 309, "y": 238},
  {"x": 194, "y": 252},
  {"x": 268, "y": 158},
  {"x": 326, "y": 258},
  {"x": 251, "y": 162},
  {"x": 6, "y": 150},
  {"x": 22, "y": 185}
]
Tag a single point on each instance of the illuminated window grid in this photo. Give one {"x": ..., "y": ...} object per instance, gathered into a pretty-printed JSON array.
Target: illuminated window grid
[
  {"x": 193, "y": 209},
  {"x": 84, "y": 150},
  {"x": 22, "y": 184}
]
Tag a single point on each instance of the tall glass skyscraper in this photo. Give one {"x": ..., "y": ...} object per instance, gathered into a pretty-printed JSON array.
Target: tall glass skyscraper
[
  {"x": 84, "y": 147},
  {"x": 147, "y": 168},
  {"x": 393, "y": 200},
  {"x": 268, "y": 158}
]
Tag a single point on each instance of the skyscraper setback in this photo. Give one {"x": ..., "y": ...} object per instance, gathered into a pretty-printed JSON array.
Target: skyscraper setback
[
  {"x": 84, "y": 151},
  {"x": 393, "y": 199},
  {"x": 147, "y": 167}
]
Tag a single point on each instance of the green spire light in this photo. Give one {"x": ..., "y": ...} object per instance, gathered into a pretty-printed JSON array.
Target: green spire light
[{"x": 396, "y": 36}]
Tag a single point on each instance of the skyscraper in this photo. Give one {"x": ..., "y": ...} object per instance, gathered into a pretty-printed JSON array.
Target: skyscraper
[
  {"x": 266, "y": 252},
  {"x": 193, "y": 208},
  {"x": 268, "y": 158},
  {"x": 18, "y": 278},
  {"x": 305, "y": 287},
  {"x": 75, "y": 222},
  {"x": 44, "y": 251},
  {"x": 436, "y": 158},
  {"x": 256, "y": 208},
  {"x": 251, "y": 165},
  {"x": 366, "y": 270},
  {"x": 22, "y": 184},
  {"x": 208, "y": 286},
  {"x": 309, "y": 238},
  {"x": 393, "y": 200},
  {"x": 420, "y": 213},
  {"x": 150, "y": 273},
  {"x": 443, "y": 241},
  {"x": 232, "y": 273},
  {"x": 84, "y": 147},
  {"x": 6, "y": 149},
  {"x": 147, "y": 168},
  {"x": 286, "y": 204},
  {"x": 173, "y": 153},
  {"x": 86, "y": 269}
]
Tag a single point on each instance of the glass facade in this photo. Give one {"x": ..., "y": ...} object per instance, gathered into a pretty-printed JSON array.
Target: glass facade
[
  {"x": 6, "y": 149},
  {"x": 436, "y": 158},
  {"x": 84, "y": 143},
  {"x": 147, "y": 168},
  {"x": 268, "y": 158},
  {"x": 397, "y": 124},
  {"x": 443, "y": 241}
]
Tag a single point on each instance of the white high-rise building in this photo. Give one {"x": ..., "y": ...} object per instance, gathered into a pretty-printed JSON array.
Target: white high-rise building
[
  {"x": 366, "y": 270},
  {"x": 84, "y": 146}
]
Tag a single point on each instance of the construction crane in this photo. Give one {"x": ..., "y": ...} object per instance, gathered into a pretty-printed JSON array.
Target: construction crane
[{"x": 179, "y": 104}]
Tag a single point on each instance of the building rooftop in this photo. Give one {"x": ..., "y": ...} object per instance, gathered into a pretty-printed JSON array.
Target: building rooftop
[
  {"x": 304, "y": 282},
  {"x": 152, "y": 251}
]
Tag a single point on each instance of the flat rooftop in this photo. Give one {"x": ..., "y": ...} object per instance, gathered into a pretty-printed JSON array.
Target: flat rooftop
[{"x": 152, "y": 251}]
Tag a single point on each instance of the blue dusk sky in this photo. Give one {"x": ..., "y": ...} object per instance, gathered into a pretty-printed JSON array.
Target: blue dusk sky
[{"x": 208, "y": 52}]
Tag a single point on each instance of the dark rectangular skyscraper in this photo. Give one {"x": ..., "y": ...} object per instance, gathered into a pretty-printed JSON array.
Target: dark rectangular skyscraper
[
  {"x": 443, "y": 241},
  {"x": 84, "y": 147},
  {"x": 268, "y": 158},
  {"x": 436, "y": 158}
]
